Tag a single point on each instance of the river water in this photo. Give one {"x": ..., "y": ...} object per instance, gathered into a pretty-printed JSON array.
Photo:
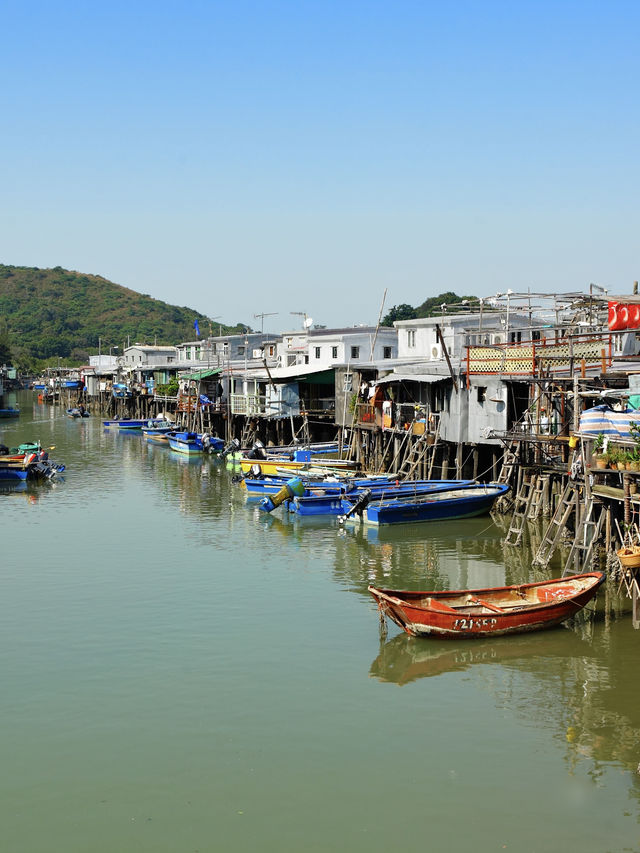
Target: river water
[{"x": 183, "y": 673}]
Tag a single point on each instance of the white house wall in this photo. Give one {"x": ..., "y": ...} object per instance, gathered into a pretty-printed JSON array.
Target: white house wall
[{"x": 465, "y": 419}]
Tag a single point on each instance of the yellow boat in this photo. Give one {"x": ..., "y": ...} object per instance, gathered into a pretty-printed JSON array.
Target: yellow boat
[{"x": 280, "y": 464}]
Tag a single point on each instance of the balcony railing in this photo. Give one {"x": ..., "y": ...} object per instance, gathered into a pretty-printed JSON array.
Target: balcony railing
[
  {"x": 530, "y": 357},
  {"x": 248, "y": 404}
]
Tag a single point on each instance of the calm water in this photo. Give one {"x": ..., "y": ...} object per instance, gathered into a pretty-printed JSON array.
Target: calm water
[{"x": 181, "y": 673}]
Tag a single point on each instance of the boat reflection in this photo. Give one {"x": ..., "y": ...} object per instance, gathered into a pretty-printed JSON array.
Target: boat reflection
[{"x": 404, "y": 659}]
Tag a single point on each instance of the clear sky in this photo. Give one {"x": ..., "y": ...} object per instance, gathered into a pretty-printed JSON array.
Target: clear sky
[{"x": 246, "y": 157}]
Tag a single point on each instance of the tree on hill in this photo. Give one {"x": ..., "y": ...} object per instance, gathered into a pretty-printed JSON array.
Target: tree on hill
[
  {"x": 56, "y": 313},
  {"x": 5, "y": 342}
]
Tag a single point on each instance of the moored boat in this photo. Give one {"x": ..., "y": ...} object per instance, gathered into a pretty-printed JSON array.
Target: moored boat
[
  {"x": 327, "y": 501},
  {"x": 132, "y": 423},
  {"x": 10, "y": 412},
  {"x": 193, "y": 443},
  {"x": 492, "y": 611},
  {"x": 445, "y": 505}
]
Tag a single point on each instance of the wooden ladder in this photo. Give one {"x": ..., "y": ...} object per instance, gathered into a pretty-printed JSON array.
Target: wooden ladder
[
  {"x": 566, "y": 506},
  {"x": 540, "y": 493},
  {"x": 584, "y": 543},
  {"x": 521, "y": 509},
  {"x": 248, "y": 435},
  {"x": 414, "y": 457},
  {"x": 509, "y": 461}
]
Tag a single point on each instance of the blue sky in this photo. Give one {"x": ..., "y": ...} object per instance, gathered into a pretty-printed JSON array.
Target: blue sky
[{"x": 255, "y": 157}]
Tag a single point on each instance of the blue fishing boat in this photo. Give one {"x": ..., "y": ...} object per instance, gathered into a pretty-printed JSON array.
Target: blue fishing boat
[
  {"x": 445, "y": 505},
  {"x": 10, "y": 412},
  {"x": 193, "y": 443},
  {"x": 9, "y": 472},
  {"x": 131, "y": 423},
  {"x": 158, "y": 431},
  {"x": 271, "y": 483},
  {"x": 331, "y": 502}
]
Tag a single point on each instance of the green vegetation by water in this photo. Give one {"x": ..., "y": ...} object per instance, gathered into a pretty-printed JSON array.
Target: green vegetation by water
[{"x": 57, "y": 313}]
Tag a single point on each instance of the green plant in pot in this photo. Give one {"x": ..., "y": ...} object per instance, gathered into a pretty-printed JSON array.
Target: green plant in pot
[{"x": 600, "y": 458}]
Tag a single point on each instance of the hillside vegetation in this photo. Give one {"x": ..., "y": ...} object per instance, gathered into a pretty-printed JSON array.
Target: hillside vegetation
[{"x": 46, "y": 314}]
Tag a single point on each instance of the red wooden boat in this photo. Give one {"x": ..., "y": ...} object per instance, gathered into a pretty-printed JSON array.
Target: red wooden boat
[{"x": 493, "y": 611}]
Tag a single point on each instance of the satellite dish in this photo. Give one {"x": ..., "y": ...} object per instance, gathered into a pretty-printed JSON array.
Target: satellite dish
[{"x": 308, "y": 321}]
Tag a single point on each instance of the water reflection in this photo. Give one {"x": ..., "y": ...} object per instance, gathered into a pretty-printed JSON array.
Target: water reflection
[
  {"x": 404, "y": 659},
  {"x": 577, "y": 682}
]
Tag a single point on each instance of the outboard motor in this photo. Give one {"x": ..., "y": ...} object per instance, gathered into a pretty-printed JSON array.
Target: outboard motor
[
  {"x": 232, "y": 447},
  {"x": 257, "y": 451},
  {"x": 292, "y": 488},
  {"x": 359, "y": 506}
]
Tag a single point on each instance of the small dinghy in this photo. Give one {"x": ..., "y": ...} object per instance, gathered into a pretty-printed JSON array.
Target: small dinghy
[{"x": 493, "y": 611}]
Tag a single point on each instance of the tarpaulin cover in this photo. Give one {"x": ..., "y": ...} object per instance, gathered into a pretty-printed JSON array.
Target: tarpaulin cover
[{"x": 603, "y": 419}]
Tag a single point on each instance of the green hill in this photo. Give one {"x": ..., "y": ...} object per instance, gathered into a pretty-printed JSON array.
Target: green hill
[{"x": 46, "y": 314}]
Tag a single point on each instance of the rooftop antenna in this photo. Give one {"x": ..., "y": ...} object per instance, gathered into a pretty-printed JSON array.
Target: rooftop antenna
[
  {"x": 262, "y": 315},
  {"x": 307, "y": 320}
]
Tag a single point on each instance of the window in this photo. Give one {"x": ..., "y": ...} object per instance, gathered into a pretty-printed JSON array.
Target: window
[
  {"x": 347, "y": 382},
  {"x": 317, "y": 352},
  {"x": 188, "y": 354},
  {"x": 306, "y": 359},
  {"x": 482, "y": 393},
  {"x": 386, "y": 352},
  {"x": 355, "y": 352},
  {"x": 411, "y": 337},
  {"x": 241, "y": 350},
  {"x": 334, "y": 352},
  {"x": 271, "y": 350}
]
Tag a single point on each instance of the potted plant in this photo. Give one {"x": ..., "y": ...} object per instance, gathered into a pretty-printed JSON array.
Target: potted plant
[
  {"x": 599, "y": 456},
  {"x": 613, "y": 456}
]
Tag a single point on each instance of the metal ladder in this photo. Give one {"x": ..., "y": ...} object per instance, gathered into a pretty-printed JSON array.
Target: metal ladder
[
  {"x": 566, "y": 506},
  {"x": 522, "y": 506}
]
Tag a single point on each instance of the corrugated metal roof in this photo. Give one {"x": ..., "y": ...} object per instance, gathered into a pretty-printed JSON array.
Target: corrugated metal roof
[
  {"x": 201, "y": 374},
  {"x": 427, "y": 378}
]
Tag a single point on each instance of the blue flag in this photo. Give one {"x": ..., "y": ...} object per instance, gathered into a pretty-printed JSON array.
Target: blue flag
[{"x": 196, "y": 327}]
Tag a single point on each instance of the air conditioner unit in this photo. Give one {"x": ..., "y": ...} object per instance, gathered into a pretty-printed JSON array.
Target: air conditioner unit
[
  {"x": 257, "y": 353},
  {"x": 436, "y": 351},
  {"x": 498, "y": 339}
]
